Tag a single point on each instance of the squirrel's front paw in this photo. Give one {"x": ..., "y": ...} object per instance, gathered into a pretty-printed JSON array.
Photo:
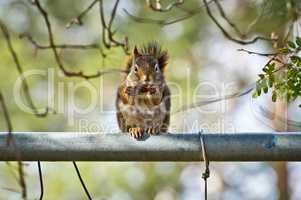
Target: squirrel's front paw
[
  {"x": 136, "y": 132},
  {"x": 152, "y": 90},
  {"x": 152, "y": 131},
  {"x": 130, "y": 91}
]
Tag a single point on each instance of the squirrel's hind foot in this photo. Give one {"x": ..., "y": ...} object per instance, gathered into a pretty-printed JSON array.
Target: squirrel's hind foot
[
  {"x": 136, "y": 132},
  {"x": 152, "y": 131}
]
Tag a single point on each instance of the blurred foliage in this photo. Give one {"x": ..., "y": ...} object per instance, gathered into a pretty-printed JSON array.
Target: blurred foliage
[{"x": 285, "y": 79}]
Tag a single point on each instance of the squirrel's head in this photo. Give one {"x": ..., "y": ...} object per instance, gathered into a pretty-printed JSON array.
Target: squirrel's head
[{"x": 147, "y": 67}]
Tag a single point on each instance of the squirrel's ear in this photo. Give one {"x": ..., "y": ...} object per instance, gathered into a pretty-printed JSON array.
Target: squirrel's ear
[{"x": 135, "y": 52}]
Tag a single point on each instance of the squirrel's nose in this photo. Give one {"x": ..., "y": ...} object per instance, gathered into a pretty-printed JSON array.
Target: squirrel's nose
[{"x": 145, "y": 78}]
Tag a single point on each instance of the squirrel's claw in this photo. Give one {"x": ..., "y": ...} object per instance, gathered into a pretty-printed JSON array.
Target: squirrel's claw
[
  {"x": 152, "y": 90},
  {"x": 136, "y": 132},
  {"x": 152, "y": 131},
  {"x": 130, "y": 91}
]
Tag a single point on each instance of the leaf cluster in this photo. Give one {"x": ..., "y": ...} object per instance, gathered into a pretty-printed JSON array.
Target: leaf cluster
[{"x": 282, "y": 74}]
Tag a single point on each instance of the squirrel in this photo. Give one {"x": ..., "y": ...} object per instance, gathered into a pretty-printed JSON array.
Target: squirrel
[{"x": 143, "y": 98}]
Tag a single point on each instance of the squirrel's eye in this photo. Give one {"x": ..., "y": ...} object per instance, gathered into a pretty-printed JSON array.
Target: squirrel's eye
[
  {"x": 136, "y": 68},
  {"x": 157, "y": 68}
]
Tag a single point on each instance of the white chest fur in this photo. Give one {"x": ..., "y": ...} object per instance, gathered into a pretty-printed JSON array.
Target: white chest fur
[{"x": 142, "y": 114}]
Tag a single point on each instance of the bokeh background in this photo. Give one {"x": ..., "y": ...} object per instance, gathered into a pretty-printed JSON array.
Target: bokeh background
[{"x": 203, "y": 64}]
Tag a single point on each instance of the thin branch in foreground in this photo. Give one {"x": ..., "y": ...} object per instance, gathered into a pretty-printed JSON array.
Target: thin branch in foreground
[
  {"x": 226, "y": 34},
  {"x": 7, "y": 119},
  {"x": 22, "y": 180},
  {"x": 9, "y": 141},
  {"x": 29, "y": 101},
  {"x": 78, "y": 19},
  {"x": 20, "y": 71},
  {"x": 81, "y": 180}
]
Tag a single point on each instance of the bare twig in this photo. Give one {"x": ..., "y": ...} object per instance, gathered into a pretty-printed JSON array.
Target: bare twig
[
  {"x": 225, "y": 17},
  {"x": 158, "y": 7},
  {"x": 22, "y": 180},
  {"x": 161, "y": 22},
  {"x": 10, "y": 140},
  {"x": 274, "y": 58},
  {"x": 58, "y": 46},
  {"x": 62, "y": 46},
  {"x": 20, "y": 70},
  {"x": 55, "y": 52},
  {"x": 238, "y": 94},
  {"x": 104, "y": 25},
  {"x": 165, "y": 22},
  {"x": 12, "y": 169},
  {"x": 30, "y": 102},
  {"x": 258, "y": 53},
  {"x": 107, "y": 32},
  {"x": 226, "y": 34},
  {"x": 257, "y": 19},
  {"x": 7, "y": 119},
  {"x": 78, "y": 19}
]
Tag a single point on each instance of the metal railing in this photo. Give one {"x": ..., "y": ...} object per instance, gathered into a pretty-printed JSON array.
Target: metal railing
[{"x": 70, "y": 146}]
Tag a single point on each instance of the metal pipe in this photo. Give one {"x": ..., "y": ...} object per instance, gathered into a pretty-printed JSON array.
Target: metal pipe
[{"x": 67, "y": 146}]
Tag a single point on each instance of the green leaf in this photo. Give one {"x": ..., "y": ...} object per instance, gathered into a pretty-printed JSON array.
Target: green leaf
[
  {"x": 265, "y": 69},
  {"x": 284, "y": 84},
  {"x": 254, "y": 94},
  {"x": 284, "y": 50},
  {"x": 272, "y": 67},
  {"x": 265, "y": 89},
  {"x": 298, "y": 41},
  {"x": 291, "y": 44},
  {"x": 271, "y": 81},
  {"x": 258, "y": 88},
  {"x": 274, "y": 96},
  {"x": 261, "y": 76},
  {"x": 295, "y": 59}
]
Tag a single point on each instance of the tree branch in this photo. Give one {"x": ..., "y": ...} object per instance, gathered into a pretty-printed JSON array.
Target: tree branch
[
  {"x": 54, "y": 50},
  {"x": 107, "y": 33},
  {"x": 190, "y": 13},
  {"x": 225, "y": 33},
  {"x": 158, "y": 6},
  {"x": 9, "y": 141},
  {"x": 78, "y": 19},
  {"x": 20, "y": 70},
  {"x": 161, "y": 22},
  {"x": 257, "y": 53},
  {"x": 62, "y": 46}
]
